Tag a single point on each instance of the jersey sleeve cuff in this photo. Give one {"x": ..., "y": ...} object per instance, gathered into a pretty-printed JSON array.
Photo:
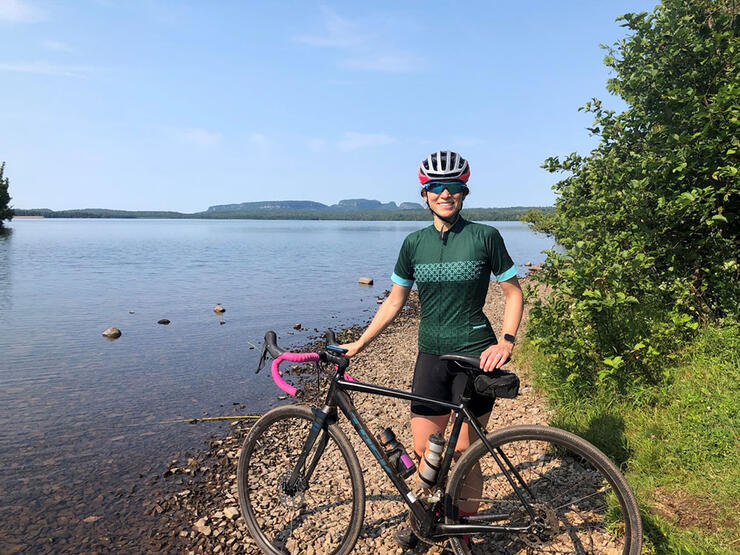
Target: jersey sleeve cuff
[
  {"x": 508, "y": 274},
  {"x": 398, "y": 280}
]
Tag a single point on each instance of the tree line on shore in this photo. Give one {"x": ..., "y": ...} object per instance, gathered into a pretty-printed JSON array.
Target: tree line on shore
[{"x": 515, "y": 213}]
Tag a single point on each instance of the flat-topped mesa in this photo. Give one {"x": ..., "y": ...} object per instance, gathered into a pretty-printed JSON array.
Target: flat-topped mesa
[{"x": 269, "y": 205}]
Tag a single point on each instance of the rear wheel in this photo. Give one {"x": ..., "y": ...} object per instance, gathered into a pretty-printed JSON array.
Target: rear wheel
[
  {"x": 582, "y": 502},
  {"x": 326, "y": 506}
]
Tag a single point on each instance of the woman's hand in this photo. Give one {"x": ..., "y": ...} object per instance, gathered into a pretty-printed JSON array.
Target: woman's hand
[
  {"x": 352, "y": 348},
  {"x": 496, "y": 355}
]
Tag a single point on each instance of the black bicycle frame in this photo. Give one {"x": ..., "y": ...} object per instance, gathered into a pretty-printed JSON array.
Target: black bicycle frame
[{"x": 337, "y": 397}]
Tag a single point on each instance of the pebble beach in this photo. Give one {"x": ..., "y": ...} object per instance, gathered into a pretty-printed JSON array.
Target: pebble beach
[{"x": 200, "y": 513}]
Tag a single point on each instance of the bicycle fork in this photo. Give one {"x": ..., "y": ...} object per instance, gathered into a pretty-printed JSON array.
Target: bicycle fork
[{"x": 323, "y": 418}]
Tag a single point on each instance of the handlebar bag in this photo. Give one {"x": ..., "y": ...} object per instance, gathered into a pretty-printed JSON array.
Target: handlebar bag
[{"x": 498, "y": 383}]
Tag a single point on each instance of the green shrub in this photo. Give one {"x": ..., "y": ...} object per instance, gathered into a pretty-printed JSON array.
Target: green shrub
[
  {"x": 6, "y": 213},
  {"x": 648, "y": 221}
]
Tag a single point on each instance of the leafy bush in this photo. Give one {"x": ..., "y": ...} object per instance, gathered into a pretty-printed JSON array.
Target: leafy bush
[
  {"x": 648, "y": 221},
  {"x": 6, "y": 213}
]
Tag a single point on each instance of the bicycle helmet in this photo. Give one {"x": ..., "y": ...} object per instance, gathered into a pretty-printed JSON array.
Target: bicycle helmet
[{"x": 444, "y": 165}]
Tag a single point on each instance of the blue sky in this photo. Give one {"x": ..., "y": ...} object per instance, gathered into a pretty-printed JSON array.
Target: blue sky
[{"x": 146, "y": 105}]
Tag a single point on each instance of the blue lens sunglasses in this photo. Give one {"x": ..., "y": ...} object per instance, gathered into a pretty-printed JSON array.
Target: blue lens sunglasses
[{"x": 453, "y": 187}]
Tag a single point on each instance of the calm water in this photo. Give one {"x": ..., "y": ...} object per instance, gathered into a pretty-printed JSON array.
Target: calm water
[{"x": 79, "y": 415}]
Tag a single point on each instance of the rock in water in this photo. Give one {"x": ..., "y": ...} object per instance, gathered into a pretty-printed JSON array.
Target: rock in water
[
  {"x": 366, "y": 281},
  {"x": 297, "y": 327},
  {"x": 163, "y": 321},
  {"x": 219, "y": 309},
  {"x": 112, "y": 333}
]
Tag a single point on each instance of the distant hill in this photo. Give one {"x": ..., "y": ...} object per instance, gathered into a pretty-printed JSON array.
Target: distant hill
[
  {"x": 347, "y": 204},
  {"x": 410, "y": 206},
  {"x": 269, "y": 205},
  {"x": 363, "y": 204}
]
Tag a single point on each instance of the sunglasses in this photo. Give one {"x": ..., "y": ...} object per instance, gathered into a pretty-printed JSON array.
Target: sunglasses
[{"x": 453, "y": 187}]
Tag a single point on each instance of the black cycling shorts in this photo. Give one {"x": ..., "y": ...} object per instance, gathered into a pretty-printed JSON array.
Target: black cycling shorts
[{"x": 441, "y": 379}]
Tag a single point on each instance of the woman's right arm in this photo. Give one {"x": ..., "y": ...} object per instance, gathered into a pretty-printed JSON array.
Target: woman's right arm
[{"x": 385, "y": 315}]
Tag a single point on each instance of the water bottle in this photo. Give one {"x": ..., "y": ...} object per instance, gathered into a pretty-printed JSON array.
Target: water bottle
[
  {"x": 430, "y": 462},
  {"x": 396, "y": 453}
]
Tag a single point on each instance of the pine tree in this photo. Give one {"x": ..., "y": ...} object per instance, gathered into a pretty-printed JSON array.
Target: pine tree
[{"x": 6, "y": 212}]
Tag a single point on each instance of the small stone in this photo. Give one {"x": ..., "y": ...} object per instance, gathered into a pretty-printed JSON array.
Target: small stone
[
  {"x": 163, "y": 321},
  {"x": 91, "y": 518},
  {"x": 231, "y": 513},
  {"x": 219, "y": 309},
  {"x": 201, "y": 527},
  {"x": 112, "y": 333},
  {"x": 221, "y": 323},
  {"x": 365, "y": 281},
  {"x": 131, "y": 312},
  {"x": 297, "y": 327}
]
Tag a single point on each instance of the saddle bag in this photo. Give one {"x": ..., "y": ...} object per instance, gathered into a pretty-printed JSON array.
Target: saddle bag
[{"x": 498, "y": 383}]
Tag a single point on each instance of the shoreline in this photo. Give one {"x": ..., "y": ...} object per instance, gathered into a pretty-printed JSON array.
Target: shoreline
[{"x": 201, "y": 512}]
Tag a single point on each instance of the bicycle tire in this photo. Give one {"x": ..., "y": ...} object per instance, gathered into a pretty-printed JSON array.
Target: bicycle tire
[
  {"x": 327, "y": 513},
  {"x": 579, "y": 493}
]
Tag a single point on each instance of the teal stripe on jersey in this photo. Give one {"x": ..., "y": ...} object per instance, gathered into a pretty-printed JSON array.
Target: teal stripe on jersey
[
  {"x": 508, "y": 274},
  {"x": 395, "y": 278}
]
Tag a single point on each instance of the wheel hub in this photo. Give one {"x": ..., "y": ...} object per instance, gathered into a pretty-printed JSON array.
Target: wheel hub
[
  {"x": 544, "y": 528},
  {"x": 291, "y": 497}
]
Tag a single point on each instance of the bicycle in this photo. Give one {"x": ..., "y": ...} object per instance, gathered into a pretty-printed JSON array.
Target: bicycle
[{"x": 300, "y": 482}]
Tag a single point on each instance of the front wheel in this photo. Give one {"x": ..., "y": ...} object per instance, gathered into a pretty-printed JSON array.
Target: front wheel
[
  {"x": 324, "y": 508},
  {"x": 582, "y": 502}
]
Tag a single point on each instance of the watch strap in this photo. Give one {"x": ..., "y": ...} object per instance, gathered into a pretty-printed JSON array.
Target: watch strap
[{"x": 509, "y": 337}]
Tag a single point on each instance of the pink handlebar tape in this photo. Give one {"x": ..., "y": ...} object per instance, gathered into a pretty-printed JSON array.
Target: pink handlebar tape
[{"x": 294, "y": 357}]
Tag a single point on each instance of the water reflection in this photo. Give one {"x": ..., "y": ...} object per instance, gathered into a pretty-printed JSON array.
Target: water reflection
[{"x": 6, "y": 233}]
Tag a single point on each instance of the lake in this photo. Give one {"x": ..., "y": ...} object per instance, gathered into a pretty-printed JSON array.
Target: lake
[{"x": 82, "y": 417}]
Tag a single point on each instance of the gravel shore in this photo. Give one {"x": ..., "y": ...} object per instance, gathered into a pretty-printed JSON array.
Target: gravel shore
[{"x": 202, "y": 514}]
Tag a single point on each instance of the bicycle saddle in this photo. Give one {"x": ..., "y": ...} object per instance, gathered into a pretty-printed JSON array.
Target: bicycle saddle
[
  {"x": 463, "y": 360},
  {"x": 467, "y": 362}
]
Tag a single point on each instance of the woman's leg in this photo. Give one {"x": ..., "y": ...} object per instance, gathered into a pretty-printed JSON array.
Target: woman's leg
[
  {"x": 424, "y": 426},
  {"x": 473, "y": 485}
]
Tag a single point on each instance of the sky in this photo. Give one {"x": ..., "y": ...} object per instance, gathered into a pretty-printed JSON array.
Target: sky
[{"x": 148, "y": 105}]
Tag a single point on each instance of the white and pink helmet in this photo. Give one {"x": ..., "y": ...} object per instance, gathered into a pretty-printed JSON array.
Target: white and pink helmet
[{"x": 444, "y": 165}]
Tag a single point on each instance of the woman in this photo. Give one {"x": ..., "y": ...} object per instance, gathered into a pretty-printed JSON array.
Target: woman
[{"x": 451, "y": 262}]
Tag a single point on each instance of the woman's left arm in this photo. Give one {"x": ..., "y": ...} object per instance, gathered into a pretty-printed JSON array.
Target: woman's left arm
[{"x": 496, "y": 355}]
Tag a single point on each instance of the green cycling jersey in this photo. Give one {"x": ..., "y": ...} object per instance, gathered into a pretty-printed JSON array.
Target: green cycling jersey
[{"x": 452, "y": 272}]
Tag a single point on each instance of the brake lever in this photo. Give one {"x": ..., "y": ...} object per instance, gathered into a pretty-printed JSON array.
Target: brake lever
[{"x": 263, "y": 358}]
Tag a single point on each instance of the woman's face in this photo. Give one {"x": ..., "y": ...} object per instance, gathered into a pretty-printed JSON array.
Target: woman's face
[{"x": 445, "y": 204}]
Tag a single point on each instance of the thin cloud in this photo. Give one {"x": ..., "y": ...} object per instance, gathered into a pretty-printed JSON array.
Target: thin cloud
[
  {"x": 57, "y": 46},
  {"x": 353, "y": 140},
  {"x": 46, "y": 68},
  {"x": 316, "y": 145},
  {"x": 259, "y": 141},
  {"x": 339, "y": 32},
  {"x": 20, "y": 11},
  {"x": 359, "y": 49},
  {"x": 196, "y": 136}
]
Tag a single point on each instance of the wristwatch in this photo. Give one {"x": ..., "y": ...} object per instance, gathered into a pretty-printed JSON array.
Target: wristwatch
[{"x": 510, "y": 338}]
